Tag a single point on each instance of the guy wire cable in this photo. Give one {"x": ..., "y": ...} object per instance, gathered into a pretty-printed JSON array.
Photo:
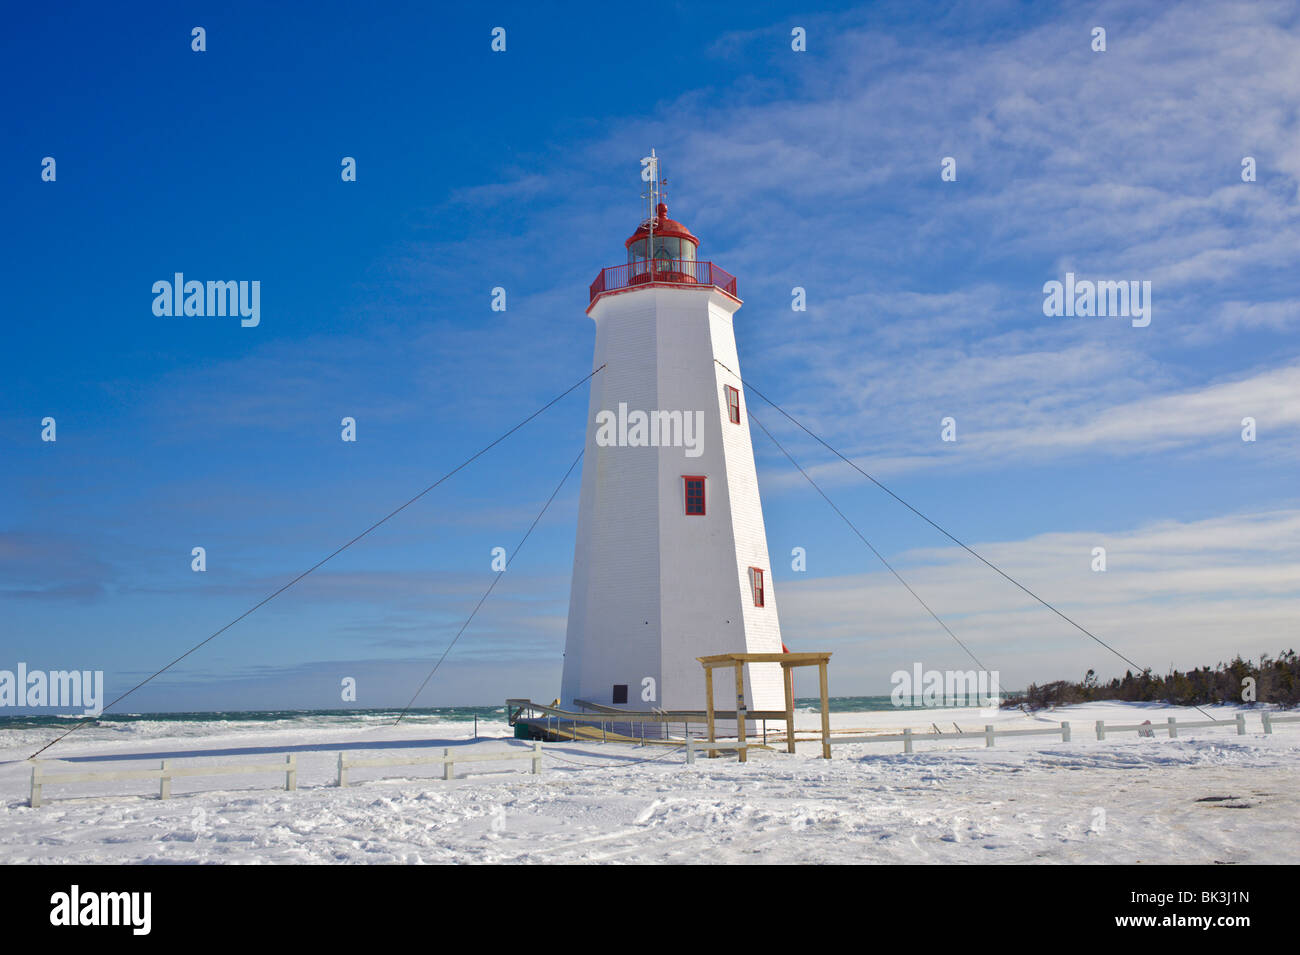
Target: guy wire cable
[{"x": 478, "y": 454}]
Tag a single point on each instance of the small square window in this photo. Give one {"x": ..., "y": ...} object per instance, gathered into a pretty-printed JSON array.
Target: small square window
[
  {"x": 620, "y": 692},
  {"x": 694, "y": 488},
  {"x": 756, "y": 585},
  {"x": 733, "y": 404}
]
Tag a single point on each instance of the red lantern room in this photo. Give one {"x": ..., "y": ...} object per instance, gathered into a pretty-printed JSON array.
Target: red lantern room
[
  {"x": 662, "y": 251},
  {"x": 673, "y": 252}
]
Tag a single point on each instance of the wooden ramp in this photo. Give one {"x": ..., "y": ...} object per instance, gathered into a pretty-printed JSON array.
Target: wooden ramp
[
  {"x": 609, "y": 724},
  {"x": 589, "y": 733}
]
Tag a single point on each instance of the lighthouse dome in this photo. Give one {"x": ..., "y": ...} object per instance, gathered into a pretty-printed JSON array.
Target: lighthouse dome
[{"x": 674, "y": 245}]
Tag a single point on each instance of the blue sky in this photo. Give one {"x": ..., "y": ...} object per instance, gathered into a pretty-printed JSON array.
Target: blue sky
[{"x": 520, "y": 169}]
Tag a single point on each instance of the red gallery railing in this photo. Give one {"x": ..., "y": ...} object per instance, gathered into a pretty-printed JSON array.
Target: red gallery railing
[{"x": 664, "y": 271}]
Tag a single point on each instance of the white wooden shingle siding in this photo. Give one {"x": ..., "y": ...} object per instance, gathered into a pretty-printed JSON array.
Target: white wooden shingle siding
[{"x": 654, "y": 588}]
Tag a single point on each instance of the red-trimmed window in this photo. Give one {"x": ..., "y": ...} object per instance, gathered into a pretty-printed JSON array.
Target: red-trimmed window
[
  {"x": 693, "y": 485},
  {"x": 733, "y": 404},
  {"x": 756, "y": 585}
]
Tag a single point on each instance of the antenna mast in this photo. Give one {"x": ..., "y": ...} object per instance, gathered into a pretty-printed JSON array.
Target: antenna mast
[{"x": 650, "y": 174}]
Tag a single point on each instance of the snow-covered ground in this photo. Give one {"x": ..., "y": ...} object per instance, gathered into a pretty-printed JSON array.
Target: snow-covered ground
[{"x": 1208, "y": 796}]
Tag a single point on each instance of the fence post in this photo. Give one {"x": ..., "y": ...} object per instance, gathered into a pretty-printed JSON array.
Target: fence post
[
  {"x": 907, "y": 740},
  {"x": 537, "y": 757},
  {"x": 1173, "y": 727},
  {"x": 164, "y": 783},
  {"x": 1101, "y": 729},
  {"x": 291, "y": 772},
  {"x": 35, "y": 799},
  {"x": 1065, "y": 731},
  {"x": 343, "y": 771},
  {"x": 1241, "y": 724},
  {"x": 447, "y": 771},
  {"x": 690, "y": 750},
  {"x": 1267, "y": 721},
  {"x": 988, "y": 734}
]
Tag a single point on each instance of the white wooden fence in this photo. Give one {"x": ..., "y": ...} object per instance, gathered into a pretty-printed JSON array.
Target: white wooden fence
[
  {"x": 990, "y": 734},
  {"x": 448, "y": 759},
  {"x": 1172, "y": 725},
  {"x": 168, "y": 770},
  {"x": 165, "y": 773},
  {"x": 1268, "y": 719}
]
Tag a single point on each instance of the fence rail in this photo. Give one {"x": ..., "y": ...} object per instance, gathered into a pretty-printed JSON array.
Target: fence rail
[
  {"x": 167, "y": 769},
  {"x": 663, "y": 271},
  {"x": 447, "y": 759},
  {"x": 1268, "y": 720},
  {"x": 990, "y": 734},
  {"x": 165, "y": 773}
]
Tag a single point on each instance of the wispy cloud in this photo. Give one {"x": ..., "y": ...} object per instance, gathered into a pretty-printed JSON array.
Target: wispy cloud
[{"x": 1173, "y": 592}]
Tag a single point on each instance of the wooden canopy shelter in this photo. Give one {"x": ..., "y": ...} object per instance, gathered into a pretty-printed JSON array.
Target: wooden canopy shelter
[{"x": 788, "y": 662}]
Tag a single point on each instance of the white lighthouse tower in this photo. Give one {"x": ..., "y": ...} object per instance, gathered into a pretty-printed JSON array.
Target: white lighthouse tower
[{"x": 671, "y": 561}]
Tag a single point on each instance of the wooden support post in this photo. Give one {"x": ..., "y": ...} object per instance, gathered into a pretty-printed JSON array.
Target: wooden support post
[
  {"x": 1173, "y": 727},
  {"x": 708, "y": 696},
  {"x": 988, "y": 734},
  {"x": 1101, "y": 729},
  {"x": 537, "y": 757},
  {"x": 291, "y": 772},
  {"x": 343, "y": 771},
  {"x": 164, "y": 783},
  {"x": 788, "y": 676},
  {"x": 907, "y": 740},
  {"x": 826, "y": 712},
  {"x": 1065, "y": 732},
  {"x": 1241, "y": 724},
  {"x": 448, "y": 770},
  {"x": 740, "y": 712},
  {"x": 35, "y": 799},
  {"x": 1267, "y": 721},
  {"x": 690, "y": 751}
]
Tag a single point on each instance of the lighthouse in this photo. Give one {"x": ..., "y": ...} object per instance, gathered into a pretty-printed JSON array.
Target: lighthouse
[{"x": 671, "y": 560}]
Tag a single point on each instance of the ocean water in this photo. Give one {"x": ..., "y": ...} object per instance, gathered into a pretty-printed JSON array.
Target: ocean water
[{"x": 287, "y": 719}]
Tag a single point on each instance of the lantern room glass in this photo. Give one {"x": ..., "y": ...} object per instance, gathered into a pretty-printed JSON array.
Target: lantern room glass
[{"x": 672, "y": 254}]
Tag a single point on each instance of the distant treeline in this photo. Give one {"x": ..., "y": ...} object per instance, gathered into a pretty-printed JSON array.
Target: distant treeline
[{"x": 1277, "y": 680}]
